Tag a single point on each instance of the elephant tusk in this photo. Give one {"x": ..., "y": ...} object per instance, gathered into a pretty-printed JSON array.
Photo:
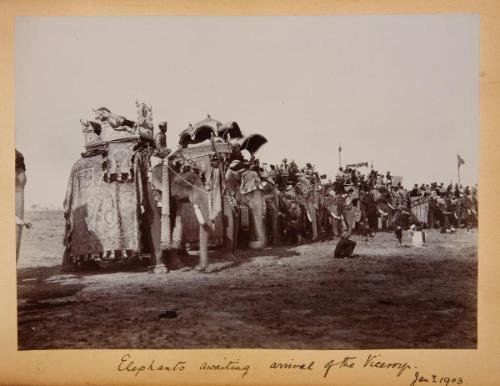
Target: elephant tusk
[
  {"x": 199, "y": 215},
  {"x": 382, "y": 213}
]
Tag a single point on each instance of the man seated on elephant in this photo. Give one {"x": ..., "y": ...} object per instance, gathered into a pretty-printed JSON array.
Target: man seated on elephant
[
  {"x": 293, "y": 171},
  {"x": 161, "y": 149},
  {"x": 235, "y": 154}
]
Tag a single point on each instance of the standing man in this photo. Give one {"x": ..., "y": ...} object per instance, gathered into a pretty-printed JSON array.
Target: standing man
[{"x": 20, "y": 183}]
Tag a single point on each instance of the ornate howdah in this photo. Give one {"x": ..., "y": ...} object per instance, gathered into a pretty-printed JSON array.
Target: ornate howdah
[{"x": 203, "y": 150}]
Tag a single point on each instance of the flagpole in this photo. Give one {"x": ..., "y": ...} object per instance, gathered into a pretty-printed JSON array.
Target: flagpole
[
  {"x": 460, "y": 161},
  {"x": 340, "y": 160}
]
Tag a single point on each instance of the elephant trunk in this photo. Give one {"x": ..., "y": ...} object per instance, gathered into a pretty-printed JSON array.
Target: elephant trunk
[
  {"x": 204, "y": 235},
  {"x": 257, "y": 208}
]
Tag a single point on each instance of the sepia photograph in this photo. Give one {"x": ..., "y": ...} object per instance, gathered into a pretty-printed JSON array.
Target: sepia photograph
[{"x": 250, "y": 182}]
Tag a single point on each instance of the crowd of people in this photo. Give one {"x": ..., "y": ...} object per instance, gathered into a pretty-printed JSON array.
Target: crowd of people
[
  {"x": 431, "y": 205},
  {"x": 363, "y": 203}
]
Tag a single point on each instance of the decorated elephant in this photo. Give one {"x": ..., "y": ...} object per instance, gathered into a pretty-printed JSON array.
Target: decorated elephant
[
  {"x": 203, "y": 187},
  {"x": 108, "y": 212},
  {"x": 190, "y": 208},
  {"x": 108, "y": 206},
  {"x": 385, "y": 207},
  {"x": 308, "y": 198},
  {"x": 244, "y": 189},
  {"x": 335, "y": 208},
  {"x": 295, "y": 216},
  {"x": 393, "y": 211}
]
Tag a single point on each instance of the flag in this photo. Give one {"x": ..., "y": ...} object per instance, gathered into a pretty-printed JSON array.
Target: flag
[
  {"x": 460, "y": 160},
  {"x": 340, "y": 148}
]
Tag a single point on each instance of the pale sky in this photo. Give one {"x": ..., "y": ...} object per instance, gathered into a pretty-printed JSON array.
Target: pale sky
[{"x": 401, "y": 91}]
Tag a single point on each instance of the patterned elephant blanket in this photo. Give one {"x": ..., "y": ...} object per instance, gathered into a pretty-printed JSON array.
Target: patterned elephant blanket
[{"x": 101, "y": 216}]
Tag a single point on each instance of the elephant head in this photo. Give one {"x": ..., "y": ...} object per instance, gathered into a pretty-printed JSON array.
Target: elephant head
[
  {"x": 245, "y": 186},
  {"x": 335, "y": 207},
  {"x": 188, "y": 188},
  {"x": 295, "y": 216}
]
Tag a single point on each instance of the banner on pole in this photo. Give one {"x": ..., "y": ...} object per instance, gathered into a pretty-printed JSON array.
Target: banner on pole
[{"x": 357, "y": 165}]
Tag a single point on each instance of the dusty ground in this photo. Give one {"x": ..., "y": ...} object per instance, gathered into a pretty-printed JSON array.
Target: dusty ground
[{"x": 287, "y": 297}]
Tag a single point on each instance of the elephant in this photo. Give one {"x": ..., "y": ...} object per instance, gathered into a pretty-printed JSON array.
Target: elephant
[
  {"x": 189, "y": 188},
  {"x": 228, "y": 193},
  {"x": 117, "y": 224},
  {"x": 393, "y": 213},
  {"x": 295, "y": 215},
  {"x": 324, "y": 217},
  {"x": 245, "y": 189},
  {"x": 272, "y": 201},
  {"x": 335, "y": 208},
  {"x": 385, "y": 208},
  {"x": 185, "y": 190},
  {"x": 310, "y": 225}
]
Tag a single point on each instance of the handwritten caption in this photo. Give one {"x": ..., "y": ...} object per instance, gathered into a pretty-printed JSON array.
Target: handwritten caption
[{"x": 403, "y": 370}]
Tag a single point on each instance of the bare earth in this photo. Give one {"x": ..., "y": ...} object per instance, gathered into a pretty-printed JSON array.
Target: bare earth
[{"x": 294, "y": 297}]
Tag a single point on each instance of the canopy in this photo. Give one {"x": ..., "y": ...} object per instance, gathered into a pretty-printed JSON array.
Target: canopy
[
  {"x": 230, "y": 128},
  {"x": 252, "y": 142},
  {"x": 200, "y": 131}
]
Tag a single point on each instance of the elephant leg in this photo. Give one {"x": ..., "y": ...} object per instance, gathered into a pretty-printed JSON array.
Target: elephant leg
[
  {"x": 335, "y": 227},
  {"x": 231, "y": 226},
  {"x": 156, "y": 250},
  {"x": 204, "y": 235},
  {"x": 173, "y": 261},
  {"x": 274, "y": 227},
  {"x": 311, "y": 211}
]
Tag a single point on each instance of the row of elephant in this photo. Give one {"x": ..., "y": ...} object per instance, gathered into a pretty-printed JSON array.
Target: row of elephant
[
  {"x": 255, "y": 208},
  {"x": 233, "y": 204}
]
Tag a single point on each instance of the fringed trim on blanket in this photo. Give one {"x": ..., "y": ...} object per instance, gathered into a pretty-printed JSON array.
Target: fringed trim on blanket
[{"x": 108, "y": 256}]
